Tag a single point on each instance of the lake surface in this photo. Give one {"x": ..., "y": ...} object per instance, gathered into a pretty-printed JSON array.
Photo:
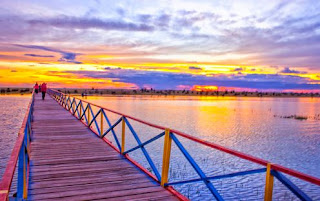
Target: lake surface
[
  {"x": 249, "y": 125},
  {"x": 12, "y": 112}
]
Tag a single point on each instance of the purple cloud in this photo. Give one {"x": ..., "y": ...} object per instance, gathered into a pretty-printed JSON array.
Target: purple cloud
[
  {"x": 88, "y": 23},
  {"x": 37, "y": 55},
  {"x": 69, "y": 57},
  {"x": 194, "y": 68},
  {"x": 237, "y": 69},
  {"x": 164, "y": 80},
  {"x": 288, "y": 70}
]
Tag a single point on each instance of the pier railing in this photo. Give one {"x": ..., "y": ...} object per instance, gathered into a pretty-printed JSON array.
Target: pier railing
[
  {"x": 83, "y": 111},
  {"x": 21, "y": 155}
]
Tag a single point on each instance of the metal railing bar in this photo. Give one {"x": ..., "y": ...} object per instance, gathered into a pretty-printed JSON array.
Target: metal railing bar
[
  {"x": 71, "y": 106},
  {"x": 94, "y": 118},
  {"x": 97, "y": 126},
  {"x": 76, "y": 110},
  {"x": 156, "y": 172},
  {"x": 84, "y": 113},
  {"x": 261, "y": 170},
  {"x": 296, "y": 174},
  {"x": 67, "y": 103},
  {"x": 145, "y": 143},
  {"x": 195, "y": 166},
  {"x": 112, "y": 127},
  {"x": 291, "y": 186}
]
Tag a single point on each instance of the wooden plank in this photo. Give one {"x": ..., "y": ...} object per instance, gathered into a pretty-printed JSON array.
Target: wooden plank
[
  {"x": 98, "y": 193},
  {"x": 107, "y": 165},
  {"x": 81, "y": 180},
  {"x": 152, "y": 196},
  {"x": 88, "y": 171},
  {"x": 120, "y": 185}
]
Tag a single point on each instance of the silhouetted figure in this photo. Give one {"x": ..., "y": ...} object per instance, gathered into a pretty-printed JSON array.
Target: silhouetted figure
[
  {"x": 36, "y": 88},
  {"x": 43, "y": 90}
]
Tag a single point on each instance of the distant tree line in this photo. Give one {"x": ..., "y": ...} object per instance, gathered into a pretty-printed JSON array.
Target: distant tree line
[
  {"x": 152, "y": 91},
  {"x": 15, "y": 90}
]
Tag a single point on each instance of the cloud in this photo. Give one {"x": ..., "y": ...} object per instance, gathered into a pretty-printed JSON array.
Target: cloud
[
  {"x": 288, "y": 70},
  {"x": 267, "y": 35},
  {"x": 163, "y": 20},
  {"x": 69, "y": 57},
  {"x": 37, "y": 55},
  {"x": 111, "y": 68},
  {"x": 194, "y": 68},
  {"x": 237, "y": 69},
  {"x": 90, "y": 23},
  {"x": 165, "y": 80}
]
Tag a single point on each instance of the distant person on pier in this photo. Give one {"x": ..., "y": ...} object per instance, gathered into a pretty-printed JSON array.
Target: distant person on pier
[
  {"x": 36, "y": 87},
  {"x": 43, "y": 90}
]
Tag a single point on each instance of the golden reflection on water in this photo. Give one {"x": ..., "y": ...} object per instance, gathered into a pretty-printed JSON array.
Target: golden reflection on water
[{"x": 250, "y": 125}]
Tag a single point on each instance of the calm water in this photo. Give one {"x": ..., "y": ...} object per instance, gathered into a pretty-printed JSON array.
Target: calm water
[
  {"x": 12, "y": 111},
  {"x": 250, "y": 125}
]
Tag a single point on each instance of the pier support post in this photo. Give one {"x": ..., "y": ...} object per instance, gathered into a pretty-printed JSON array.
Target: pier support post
[
  {"x": 123, "y": 136},
  {"x": 166, "y": 157},
  {"x": 269, "y": 184}
]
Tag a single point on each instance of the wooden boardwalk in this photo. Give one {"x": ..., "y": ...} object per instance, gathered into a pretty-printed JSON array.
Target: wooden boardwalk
[{"x": 69, "y": 162}]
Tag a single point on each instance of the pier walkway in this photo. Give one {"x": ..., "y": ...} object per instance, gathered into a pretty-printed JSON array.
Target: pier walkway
[{"x": 69, "y": 162}]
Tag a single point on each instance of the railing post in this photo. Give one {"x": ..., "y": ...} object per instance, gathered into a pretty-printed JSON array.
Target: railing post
[
  {"x": 25, "y": 166},
  {"x": 166, "y": 157},
  {"x": 73, "y": 106},
  {"x": 20, "y": 186},
  {"x": 80, "y": 105},
  {"x": 269, "y": 184},
  {"x": 123, "y": 136},
  {"x": 101, "y": 123},
  {"x": 88, "y": 114}
]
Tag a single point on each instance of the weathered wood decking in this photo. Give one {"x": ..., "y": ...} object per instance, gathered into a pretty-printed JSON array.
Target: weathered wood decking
[{"x": 69, "y": 162}]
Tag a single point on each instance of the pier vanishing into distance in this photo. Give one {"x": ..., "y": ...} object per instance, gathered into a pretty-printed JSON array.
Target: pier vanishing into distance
[{"x": 62, "y": 153}]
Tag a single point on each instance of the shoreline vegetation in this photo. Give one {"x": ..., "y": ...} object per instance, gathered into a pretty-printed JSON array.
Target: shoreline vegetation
[
  {"x": 93, "y": 91},
  {"x": 299, "y": 117}
]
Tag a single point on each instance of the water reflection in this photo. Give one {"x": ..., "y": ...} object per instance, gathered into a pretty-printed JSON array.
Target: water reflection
[
  {"x": 12, "y": 111},
  {"x": 245, "y": 124}
]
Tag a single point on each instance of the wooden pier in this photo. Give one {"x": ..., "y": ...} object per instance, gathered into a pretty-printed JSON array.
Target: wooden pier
[
  {"x": 62, "y": 153},
  {"x": 69, "y": 162}
]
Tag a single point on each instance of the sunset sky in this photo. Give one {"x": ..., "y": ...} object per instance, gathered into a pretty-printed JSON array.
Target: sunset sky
[{"x": 247, "y": 44}]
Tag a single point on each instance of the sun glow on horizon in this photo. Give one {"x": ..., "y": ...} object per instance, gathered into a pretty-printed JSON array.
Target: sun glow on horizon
[{"x": 204, "y": 88}]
